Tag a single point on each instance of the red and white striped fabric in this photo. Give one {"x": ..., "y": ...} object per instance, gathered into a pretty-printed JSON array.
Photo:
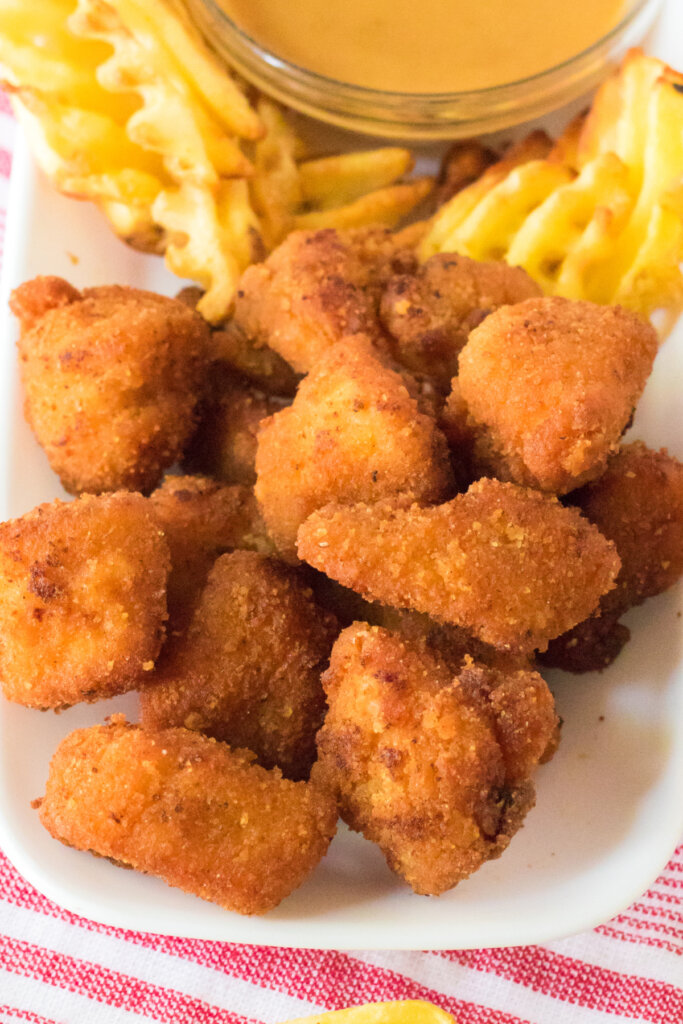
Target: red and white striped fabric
[{"x": 56, "y": 968}]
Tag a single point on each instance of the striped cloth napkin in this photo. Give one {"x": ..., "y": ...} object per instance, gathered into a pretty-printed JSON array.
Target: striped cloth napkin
[{"x": 57, "y": 968}]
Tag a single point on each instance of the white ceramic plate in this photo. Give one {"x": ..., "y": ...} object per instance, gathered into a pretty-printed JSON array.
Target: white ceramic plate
[{"x": 610, "y": 805}]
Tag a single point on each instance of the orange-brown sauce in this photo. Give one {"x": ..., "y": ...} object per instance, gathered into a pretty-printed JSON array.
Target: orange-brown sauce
[{"x": 430, "y": 45}]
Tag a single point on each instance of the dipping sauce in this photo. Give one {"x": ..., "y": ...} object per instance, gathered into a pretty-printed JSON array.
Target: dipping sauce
[{"x": 429, "y": 46}]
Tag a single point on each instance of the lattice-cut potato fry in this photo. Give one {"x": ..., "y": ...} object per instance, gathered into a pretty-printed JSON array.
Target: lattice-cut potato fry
[
  {"x": 449, "y": 218},
  {"x": 562, "y": 240},
  {"x": 613, "y": 233},
  {"x": 171, "y": 120},
  {"x": 333, "y": 181},
  {"x": 204, "y": 244},
  {"x": 275, "y": 187},
  {"x": 386, "y": 206},
  {"x": 408, "y": 1011},
  {"x": 487, "y": 232}
]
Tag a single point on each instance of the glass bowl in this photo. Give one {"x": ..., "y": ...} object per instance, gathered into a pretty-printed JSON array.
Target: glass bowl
[{"x": 424, "y": 115}]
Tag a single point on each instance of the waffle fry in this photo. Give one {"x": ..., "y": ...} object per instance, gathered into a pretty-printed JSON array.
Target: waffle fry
[
  {"x": 600, "y": 216},
  {"x": 125, "y": 105}
]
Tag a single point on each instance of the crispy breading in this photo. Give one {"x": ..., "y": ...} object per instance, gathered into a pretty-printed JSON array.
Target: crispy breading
[
  {"x": 258, "y": 363},
  {"x": 435, "y": 769},
  {"x": 429, "y": 314},
  {"x": 353, "y": 433},
  {"x": 82, "y": 600},
  {"x": 111, "y": 376},
  {"x": 507, "y": 563},
  {"x": 637, "y": 504},
  {"x": 202, "y": 519},
  {"x": 264, "y": 368},
  {"x": 315, "y": 288},
  {"x": 189, "y": 810},
  {"x": 550, "y": 385},
  {"x": 224, "y": 444},
  {"x": 248, "y": 669}
]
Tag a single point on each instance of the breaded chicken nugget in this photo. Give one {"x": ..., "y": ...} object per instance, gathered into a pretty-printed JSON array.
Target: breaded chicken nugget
[
  {"x": 429, "y": 314},
  {"x": 638, "y": 504},
  {"x": 112, "y": 377},
  {"x": 201, "y": 520},
  {"x": 231, "y": 348},
  {"x": 259, "y": 364},
  {"x": 509, "y": 564},
  {"x": 353, "y": 433},
  {"x": 189, "y": 810},
  {"x": 248, "y": 669},
  {"x": 82, "y": 599},
  {"x": 434, "y": 769},
  {"x": 224, "y": 444},
  {"x": 550, "y": 385},
  {"x": 315, "y": 288}
]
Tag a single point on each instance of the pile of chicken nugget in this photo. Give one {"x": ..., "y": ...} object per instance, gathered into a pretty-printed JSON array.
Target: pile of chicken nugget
[{"x": 404, "y": 492}]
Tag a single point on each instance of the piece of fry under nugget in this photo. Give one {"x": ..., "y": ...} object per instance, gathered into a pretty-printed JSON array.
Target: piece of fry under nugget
[
  {"x": 111, "y": 377},
  {"x": 550, "y": 385},
  {"x": 201, "y": 520},
  {"x": 82, "y": 599},
  {"x": 248, "y": 669},
  {"x": 189, "y": 810},
  {"x": 315, "y": 288},
  {"x": 428, "y": 314},
  {"x": 353, "y": 433},
  {"x": 638, "y": 504},
  {"x": 224, "y": 444},
  {"x": 509, "y": 564},
  {"x": 435, "y": 769}
]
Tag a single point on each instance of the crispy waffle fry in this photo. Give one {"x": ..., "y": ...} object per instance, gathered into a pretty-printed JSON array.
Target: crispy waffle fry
[
  {"x": 126, "y": 106},
  {"x": 609, "y": 227}
]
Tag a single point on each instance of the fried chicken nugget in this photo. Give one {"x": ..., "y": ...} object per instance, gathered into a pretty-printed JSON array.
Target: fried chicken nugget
[
  {"x": 353, "y": 433},
  {"x": 201, "y": 520},
  {"x": 315, "y": 288},
  {"x": 189, "y": 810},
  {"x": 429, "y": 314},
  {"x": 112, "y": 376},
  {"x": 550, "y": 385},
  {"x": 248, "y": 669},
  {"x": 224, "y": 444},
  {"x": 435, "y": 769},
  {"x": 231, "y": 348},
  {"x": 82, "y": 600},
  {"x": 509, "y": 564},
  {"x": 638, "y": 504}
]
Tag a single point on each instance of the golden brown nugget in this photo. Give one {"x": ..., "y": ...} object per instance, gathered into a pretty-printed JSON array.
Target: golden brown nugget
[
  {"x": 429, "y": 314},
  {"x": 550, "y": 385},
  {"x": 509, "y": 564},
  {"x": 82, "y": 600},
  {"x": 638, "y": 504},
  {"x": 248, "y": 669},
  {"x": 232, "y": 350},
  {"x": 189, "y": 810},
  {"x": 224, "y": 444},
  {"x": 353, "y": 433},
  {"x": 201, "y": 520},
  {"x": 315, "y": 288},
  {"x": 112, "y": 376},
  {"x": 435, "y": 769}
]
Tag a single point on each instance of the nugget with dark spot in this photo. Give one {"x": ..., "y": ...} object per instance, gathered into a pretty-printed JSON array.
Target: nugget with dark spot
[{"x": 434, "y": 768}]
